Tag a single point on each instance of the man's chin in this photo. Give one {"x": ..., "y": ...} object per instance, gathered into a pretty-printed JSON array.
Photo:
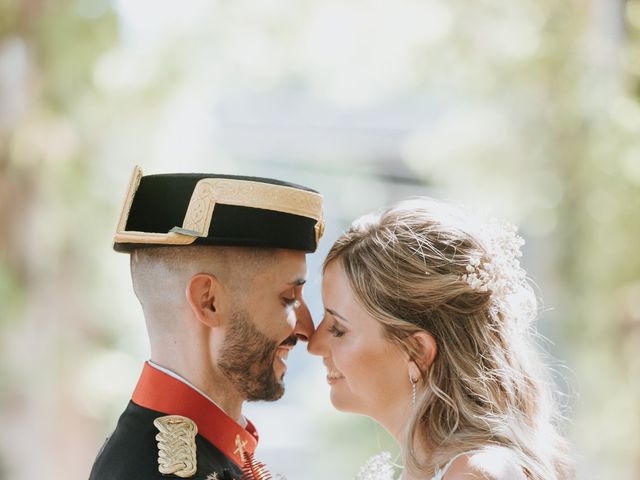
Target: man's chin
[
  {"x": 272, "y": 397},
  {"x": 268, "y": 393}
]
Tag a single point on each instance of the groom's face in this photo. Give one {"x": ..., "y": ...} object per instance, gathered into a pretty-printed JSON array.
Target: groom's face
[{"x": 267, "y": 320}]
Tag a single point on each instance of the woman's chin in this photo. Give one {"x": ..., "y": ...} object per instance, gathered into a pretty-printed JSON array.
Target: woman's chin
[{"x": 343, "y": 404}]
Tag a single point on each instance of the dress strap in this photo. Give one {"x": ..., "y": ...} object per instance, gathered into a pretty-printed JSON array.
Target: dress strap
[{"x": 440, "y": 472}]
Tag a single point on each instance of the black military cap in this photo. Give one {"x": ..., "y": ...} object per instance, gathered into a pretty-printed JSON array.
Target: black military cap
[{"x": 205, "y": 209}]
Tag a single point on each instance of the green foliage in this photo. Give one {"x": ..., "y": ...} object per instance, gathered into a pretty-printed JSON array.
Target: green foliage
[
  {"x": 12, "y": 295},
  {"x": 530, "y": 108}
]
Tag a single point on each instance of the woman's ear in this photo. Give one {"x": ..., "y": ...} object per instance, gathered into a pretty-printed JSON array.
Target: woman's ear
[
  {"x": 202, "y": 294},
  {"x": 427, "y": 349}
]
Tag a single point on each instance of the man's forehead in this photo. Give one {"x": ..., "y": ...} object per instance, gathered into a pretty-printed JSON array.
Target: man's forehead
[{"x": 291, "y": 266}]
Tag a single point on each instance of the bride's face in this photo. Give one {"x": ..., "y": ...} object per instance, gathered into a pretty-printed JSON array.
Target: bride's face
[{"x": 367, "y": 373}]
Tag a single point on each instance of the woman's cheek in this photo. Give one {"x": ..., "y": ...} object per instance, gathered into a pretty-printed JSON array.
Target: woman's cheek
[{"x": 354, "y": 365}]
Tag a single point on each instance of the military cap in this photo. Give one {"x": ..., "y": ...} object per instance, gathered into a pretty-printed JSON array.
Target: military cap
[{"x": 207, "y": 209}]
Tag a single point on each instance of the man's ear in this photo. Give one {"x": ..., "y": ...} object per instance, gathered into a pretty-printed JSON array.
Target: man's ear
[
  {"x": 202, "y": 292},
  {"x": 427, "y": 348}
]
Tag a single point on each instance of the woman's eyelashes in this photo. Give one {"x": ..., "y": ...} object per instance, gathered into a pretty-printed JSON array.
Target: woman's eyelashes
[{"x": 335, "y": 331}]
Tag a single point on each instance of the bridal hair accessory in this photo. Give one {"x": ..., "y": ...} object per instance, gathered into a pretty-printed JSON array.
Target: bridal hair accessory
[{"x": 498, "y": 270}]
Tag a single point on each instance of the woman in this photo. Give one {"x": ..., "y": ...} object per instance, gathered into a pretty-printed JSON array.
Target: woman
[{"x": 427, "y": 331}]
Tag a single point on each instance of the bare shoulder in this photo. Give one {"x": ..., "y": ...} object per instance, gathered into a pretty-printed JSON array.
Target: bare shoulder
[{"x": 492, "y": 463}]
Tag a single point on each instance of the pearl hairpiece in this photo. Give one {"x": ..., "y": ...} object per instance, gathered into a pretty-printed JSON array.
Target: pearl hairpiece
[{"x": 498, "y": 271}]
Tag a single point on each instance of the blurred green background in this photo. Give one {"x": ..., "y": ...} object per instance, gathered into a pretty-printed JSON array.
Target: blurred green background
[{"x": 529, "y": 109}]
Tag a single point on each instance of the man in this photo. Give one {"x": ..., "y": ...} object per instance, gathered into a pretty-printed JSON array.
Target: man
[{"x": 218, "y": 265}]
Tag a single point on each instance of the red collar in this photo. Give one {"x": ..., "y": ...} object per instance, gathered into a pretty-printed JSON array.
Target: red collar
[{"x": 161, "y": 392}]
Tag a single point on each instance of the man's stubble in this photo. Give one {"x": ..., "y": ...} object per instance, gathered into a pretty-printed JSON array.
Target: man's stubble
[{"x": 247, "y": 360}]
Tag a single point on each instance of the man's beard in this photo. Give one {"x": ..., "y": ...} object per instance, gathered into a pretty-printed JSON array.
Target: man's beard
[{"x": 247, "y": 359}]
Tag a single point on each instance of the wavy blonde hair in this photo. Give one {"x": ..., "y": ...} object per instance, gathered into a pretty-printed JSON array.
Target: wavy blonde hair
[{"x": 487, "y": 386}]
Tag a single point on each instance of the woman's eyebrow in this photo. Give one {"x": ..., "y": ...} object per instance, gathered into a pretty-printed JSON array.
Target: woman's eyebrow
[{"x": 336, "y": 314}]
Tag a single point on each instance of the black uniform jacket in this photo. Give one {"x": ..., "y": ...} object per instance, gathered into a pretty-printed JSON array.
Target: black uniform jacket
[{"x": 223, "y": 449}]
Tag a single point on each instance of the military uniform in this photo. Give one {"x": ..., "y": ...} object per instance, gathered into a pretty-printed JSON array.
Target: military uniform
[
  {"x": 170, "y": 429},
  {"x": 222, "y": 449}
]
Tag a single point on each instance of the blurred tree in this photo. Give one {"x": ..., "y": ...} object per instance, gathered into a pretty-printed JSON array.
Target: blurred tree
[
  {"x": 529, "y": 108},
  {"x": 47, "y": 50}
]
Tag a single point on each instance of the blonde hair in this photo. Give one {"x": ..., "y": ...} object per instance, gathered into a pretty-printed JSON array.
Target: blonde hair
[{"x": 408, "y": 267}]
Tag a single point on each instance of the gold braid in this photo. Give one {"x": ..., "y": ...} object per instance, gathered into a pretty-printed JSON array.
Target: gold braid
[{"x": 176, "y": 445}]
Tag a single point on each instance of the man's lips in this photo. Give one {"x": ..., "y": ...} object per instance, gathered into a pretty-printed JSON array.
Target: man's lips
[
  {"x": 280, "y": 360},
  {"x": 282, "y": 353}
]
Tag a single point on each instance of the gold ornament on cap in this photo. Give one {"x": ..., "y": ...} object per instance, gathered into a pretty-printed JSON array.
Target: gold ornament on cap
[
  {"x": 211, "y": 191},
  {"x": 246, "y": 193}
]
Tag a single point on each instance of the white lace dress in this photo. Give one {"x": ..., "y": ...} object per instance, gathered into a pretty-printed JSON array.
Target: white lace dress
[
  {"x": 440, "y": 472},
  {"x": 380, "y": 467}
]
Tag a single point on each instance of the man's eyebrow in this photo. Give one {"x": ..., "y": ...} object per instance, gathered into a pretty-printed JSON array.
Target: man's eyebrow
[{"x": 336, "y": 314}]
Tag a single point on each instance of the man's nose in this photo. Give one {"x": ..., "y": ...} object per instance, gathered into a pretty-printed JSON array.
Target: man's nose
[
  {"x": 304, "y": 323},
  {"x": 316, "y": 345}
]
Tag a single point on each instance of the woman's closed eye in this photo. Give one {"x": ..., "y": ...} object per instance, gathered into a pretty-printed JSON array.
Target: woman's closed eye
[{"x": 335, "y": 331}]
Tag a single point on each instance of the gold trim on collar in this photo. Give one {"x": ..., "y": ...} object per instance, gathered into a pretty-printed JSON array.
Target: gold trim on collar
[
  {"x": 176, "y": 446},
  {"x": 240, "y": 446}
]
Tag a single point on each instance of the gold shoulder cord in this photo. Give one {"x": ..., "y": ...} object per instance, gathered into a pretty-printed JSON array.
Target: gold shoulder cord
[{"x": 176, "y": 445}]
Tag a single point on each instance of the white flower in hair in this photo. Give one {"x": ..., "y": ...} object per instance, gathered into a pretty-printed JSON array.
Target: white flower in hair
[
  {"x": 498, "y": 271},
  {"x": 378, "y": 467}
]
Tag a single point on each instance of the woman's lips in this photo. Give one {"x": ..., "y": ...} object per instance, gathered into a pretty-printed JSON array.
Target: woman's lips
[{"x": 333, "y": 376}]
